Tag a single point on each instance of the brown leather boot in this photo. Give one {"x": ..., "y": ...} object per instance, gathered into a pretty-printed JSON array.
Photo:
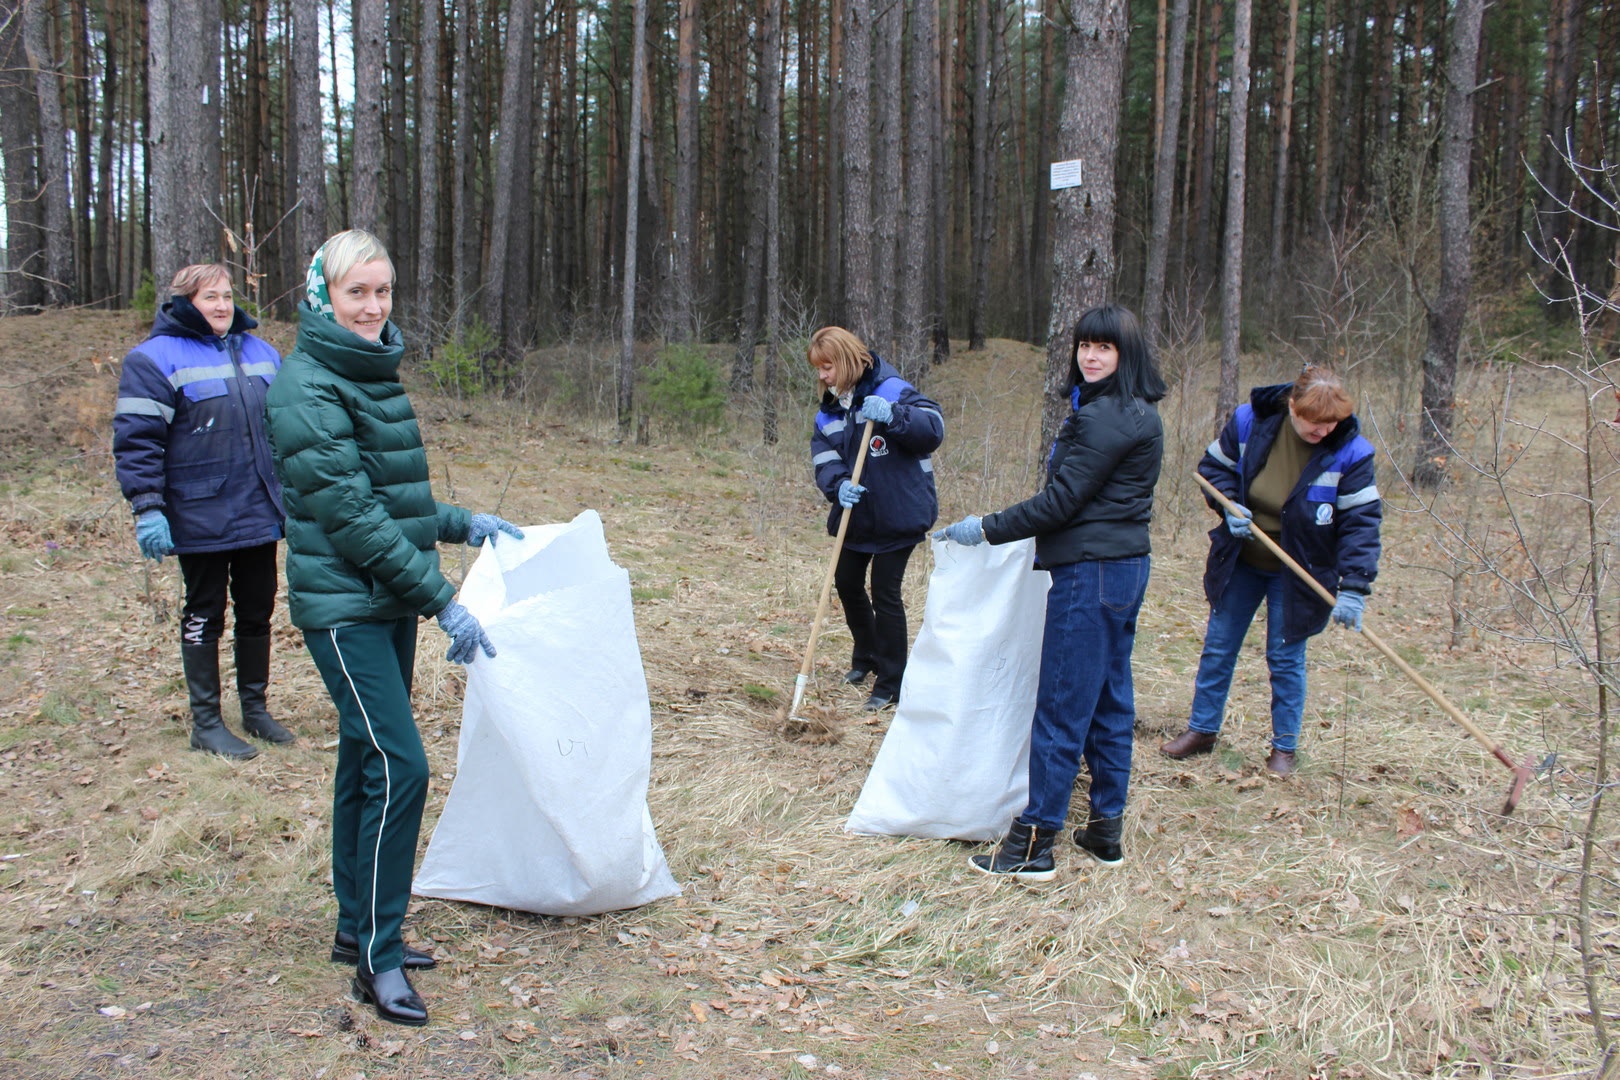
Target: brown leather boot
[
  {"x": 1281, "y": 762},
  {"x": 1189, "y": 743}
]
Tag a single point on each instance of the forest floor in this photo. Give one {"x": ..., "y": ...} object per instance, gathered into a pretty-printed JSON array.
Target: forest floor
[{"x": 167, "y": 914}]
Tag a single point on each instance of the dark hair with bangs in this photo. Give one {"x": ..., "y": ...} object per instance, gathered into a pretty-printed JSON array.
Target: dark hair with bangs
[{"x": 1138, "y": 374}]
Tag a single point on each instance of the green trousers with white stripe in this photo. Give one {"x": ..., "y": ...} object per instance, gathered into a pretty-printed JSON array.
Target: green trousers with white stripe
[{"x": 381, "y": 781}]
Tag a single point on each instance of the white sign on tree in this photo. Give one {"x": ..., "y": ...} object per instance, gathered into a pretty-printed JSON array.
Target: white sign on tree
[{"x": 1065, "y": 174}]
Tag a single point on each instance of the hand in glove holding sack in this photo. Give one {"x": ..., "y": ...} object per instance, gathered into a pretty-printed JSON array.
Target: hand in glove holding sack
[
  {"x": 466, "y": 635},
  {"x": 874, "y": 408},
  {"x": 152, "y": 534},
  {"x": 968, "y": 532},
  {"x": 488, "y": 526},
  {"x": 1347, "y": 610},
  {"x": 849, "y": 493},
  {"x": 1241, "y": 525}
]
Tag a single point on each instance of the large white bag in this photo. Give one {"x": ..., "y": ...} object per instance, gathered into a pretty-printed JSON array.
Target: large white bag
[
  {"x": 955, "y": 763},
  {"x": 548, "y": 812}
]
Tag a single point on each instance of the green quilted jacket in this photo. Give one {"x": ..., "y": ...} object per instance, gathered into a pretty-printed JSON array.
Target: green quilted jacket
[{"x": 362, "y": 525}]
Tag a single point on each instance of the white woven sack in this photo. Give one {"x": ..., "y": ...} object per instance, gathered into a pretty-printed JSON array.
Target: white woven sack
[
  {"x": 955, "y": 763},
  {"x": 548, "y": 812}
]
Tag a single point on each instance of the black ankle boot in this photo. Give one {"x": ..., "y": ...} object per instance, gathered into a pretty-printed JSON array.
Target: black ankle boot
[
  {"x": 208, "y": 731},
  {"x": 391, "y": 992},
  {"x": 346, "y": 950},
  {"x": 252, "y": 678},
  {"x": 1024, "y": 853},
  {"x": 1100, "y": 839}
]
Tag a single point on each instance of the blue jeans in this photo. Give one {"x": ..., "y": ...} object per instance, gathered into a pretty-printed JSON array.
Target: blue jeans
[
  {"x": 1085, "y": 701},
  {"x": 1228, "y": 624}
]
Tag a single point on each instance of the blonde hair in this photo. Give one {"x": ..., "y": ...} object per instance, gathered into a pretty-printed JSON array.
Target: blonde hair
[
  {"x": 1318, "y": 397},
  {"x": 189, "y": 280},
  {"x": 346, "y": 250},
  {"x": 846, "y": 353}
]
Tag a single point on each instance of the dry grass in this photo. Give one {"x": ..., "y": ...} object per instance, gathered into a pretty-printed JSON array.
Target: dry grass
[{"x": 164, "y": 914}]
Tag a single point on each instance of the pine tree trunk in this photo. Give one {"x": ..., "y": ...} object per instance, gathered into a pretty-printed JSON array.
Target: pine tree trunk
[
  {"x": 468, "y": 240},
  {"x": 401, "y": 220},
  {"x": 310, "y": 225},
  {"x": 53, "y": 159},
  {"x": 684, "y": 319},
  {"x": 860, "y": 305},
  {"x": 1236, "y": 176},
  {"x": 1285, "y": 133},
  {"x": 366, "y": 204},
  {"x": 916, "y": 277},
  {"x": 510, "y": 172},
  {"x": 1450, "y": 306},
  {"x": 770, "y": 89},
  {"x": 19, "y": 138},
  {"x": 889, "y": 31},
  {"x": 979, "y": 228},
  {"x": 1083, "y": 217},
  {"x": 1040, "y": 301},
  {"x": 638, "y": 79},
  {"x": 104, "y": 270},
  {"x": 1164, "y": 175},
  {"x": 427, "y": 163},
  {"x": 79, "y": 209}
]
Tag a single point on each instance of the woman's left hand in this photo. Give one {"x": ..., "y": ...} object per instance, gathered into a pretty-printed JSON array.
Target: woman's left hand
[
  {"x": 1347, "y": 610},
  {"x": 488, "y": 526},
  {"x": 967, "y": 532}
]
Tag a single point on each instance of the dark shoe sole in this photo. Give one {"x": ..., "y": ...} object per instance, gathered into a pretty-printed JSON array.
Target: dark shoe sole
[
  {"x": 981, "y": 863},
  {"x": 247, "y": 754},
  {"x": 876, "y": 703},
  {"x": 415, "y": 959},
  {"x": 365, "y": 997}
]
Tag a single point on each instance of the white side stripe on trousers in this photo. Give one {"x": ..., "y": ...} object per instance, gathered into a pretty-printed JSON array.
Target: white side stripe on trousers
[{"x": 388, "y": 791}]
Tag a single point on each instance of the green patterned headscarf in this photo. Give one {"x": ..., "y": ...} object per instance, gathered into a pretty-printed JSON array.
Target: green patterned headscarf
[{"x": 315, "y": 287}]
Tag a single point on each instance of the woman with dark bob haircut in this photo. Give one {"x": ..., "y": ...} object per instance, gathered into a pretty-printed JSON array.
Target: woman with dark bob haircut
[{"x": 1090, "y": 524}]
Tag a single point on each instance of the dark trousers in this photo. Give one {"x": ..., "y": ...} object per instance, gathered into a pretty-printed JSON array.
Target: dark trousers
[
  {"x": 247, "y": 574},
  {"x": 1086, "y": 702},
  {"x": 878, "y": 623},
  {"x": 380, "y": 784}
]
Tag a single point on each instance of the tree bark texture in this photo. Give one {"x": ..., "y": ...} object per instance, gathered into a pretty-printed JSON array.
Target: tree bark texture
[
  {"x": 1236, "y": 173},
  {"x": 684, "y": 321},
  {"x": 1083, "y": 217},
  {"x": 859, "y": 289},
  {"x": 1450, "y": 305},
  {"x": 1164, "y": 176},
  {"x": 53, "y": 157},
  {"x": 426, "y": 300},
  {"x": 627, "y": 360},
  {"x": 365, "y": 209},
  {"x": 913, "y": 315},
  {"x": 511, "y": 162},
  {"x": 19, "y": 138}
]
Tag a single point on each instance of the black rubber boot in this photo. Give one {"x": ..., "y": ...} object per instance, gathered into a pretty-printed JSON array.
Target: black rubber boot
[
  {"x": 1099, "y": 838},
  {"x": 252, "y": 678},
  {"x": 1024, "y": 853},
  {"x": 208, "y": 731}
]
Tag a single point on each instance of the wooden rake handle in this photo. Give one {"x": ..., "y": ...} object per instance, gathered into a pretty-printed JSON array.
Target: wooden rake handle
[
  {"x": 832, "y": 567},
  {"x": 1496, "y": 749}
]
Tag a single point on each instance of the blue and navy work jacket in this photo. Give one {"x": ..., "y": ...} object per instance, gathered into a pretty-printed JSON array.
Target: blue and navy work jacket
[
  {"x": 900, "y": 504},
  {"x": 1330, "y": 520},
  {"x": 189, "y": 434}
]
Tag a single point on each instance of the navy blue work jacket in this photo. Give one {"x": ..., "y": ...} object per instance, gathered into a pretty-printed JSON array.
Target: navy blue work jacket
[
  {"x": 900, "y": 504},
  {"x": 1330, "y": 520},
  {"x": 189, "y": 433}
]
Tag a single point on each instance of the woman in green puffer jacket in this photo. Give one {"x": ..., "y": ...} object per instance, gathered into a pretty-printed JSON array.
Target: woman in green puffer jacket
[{"x": 362, "y": 567}]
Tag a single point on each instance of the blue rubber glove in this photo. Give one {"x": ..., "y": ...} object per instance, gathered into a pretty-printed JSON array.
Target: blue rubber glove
[
  {"x": 466, "y": 635},
  {"x": 849, "y": 494},
  {"x": 968, "y": 532},
  {"x": 1347, "y": 609},
  {"x": 152, "y": 534},
  {"x": 874, "y": 408},
  {"x": 1242, "y": 526},
  {"x": 488, "y": 526}
]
